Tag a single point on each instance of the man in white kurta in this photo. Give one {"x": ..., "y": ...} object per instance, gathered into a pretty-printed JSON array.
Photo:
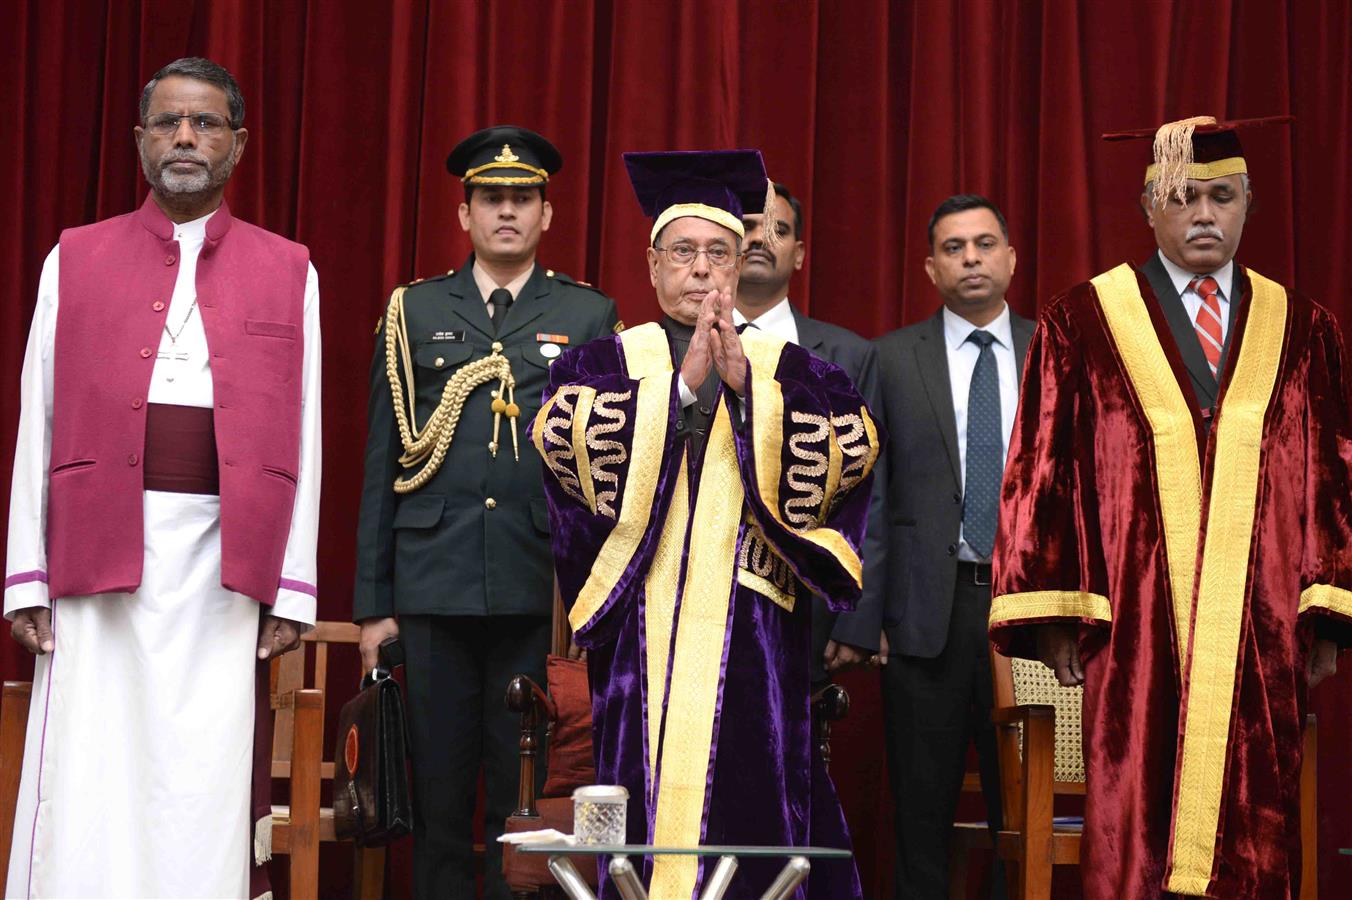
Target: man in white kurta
[{"x": 139, "y": 751}]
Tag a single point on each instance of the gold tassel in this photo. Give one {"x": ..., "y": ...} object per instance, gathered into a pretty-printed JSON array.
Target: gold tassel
[
  {"x": 1173, "y": 156},
  {"x": 769, "y": 222}
]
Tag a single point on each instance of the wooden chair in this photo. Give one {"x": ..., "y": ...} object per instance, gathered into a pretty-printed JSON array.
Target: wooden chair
[
  {"x": 298, "y": 755},
  {"x": 13, "y": 728},
  {"x": 1038, "y": 734}
]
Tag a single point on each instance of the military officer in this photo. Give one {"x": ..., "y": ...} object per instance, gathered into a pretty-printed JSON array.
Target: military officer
[{"x": 453, "y": 543}]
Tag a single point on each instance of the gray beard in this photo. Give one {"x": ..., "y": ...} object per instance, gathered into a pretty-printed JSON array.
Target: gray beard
[{"x": 172, "y": 184}]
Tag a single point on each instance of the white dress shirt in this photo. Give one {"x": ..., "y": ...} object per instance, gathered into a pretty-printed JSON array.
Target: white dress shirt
[
  {"x": 777, "y": 320},
  {"x": 1192, "y": 301},
  {"x": 962, "y": 357}
]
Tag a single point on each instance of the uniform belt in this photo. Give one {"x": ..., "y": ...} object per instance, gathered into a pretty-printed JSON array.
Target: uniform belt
[{"x": 974, "y": 572}]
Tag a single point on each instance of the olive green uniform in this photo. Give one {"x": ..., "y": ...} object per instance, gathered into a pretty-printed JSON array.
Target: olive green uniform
[{"x": 464, "y": 560}]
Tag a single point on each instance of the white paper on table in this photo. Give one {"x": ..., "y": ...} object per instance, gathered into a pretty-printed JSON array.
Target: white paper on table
[{"x": 542, "y": 836}]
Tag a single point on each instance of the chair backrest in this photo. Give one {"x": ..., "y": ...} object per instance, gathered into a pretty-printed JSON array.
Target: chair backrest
[
  {"x": 1021, "y": 682},
  {"x": 288, "y": 674}
]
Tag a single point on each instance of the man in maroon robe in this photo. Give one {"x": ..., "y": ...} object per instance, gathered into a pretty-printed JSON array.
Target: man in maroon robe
[{"x": 1174, "y": 535}]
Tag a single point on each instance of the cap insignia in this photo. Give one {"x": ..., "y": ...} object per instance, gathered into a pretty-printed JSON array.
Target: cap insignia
[{"x": 506, "y": 156}]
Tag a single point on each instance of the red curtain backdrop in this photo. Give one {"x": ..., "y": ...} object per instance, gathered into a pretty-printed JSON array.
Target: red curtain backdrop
[{"x": 871, "y": 111}]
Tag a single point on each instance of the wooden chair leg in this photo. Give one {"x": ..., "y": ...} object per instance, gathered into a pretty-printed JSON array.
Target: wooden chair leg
[
  {"x": 13, "y": 731},
  {"x": 1309, "y": 816},
  {"x": 1038, "y": 758},
  {"x": 306, "y": 756},
  {"x": 368, "y": 878},
  {"x": 958, "y": 858}
]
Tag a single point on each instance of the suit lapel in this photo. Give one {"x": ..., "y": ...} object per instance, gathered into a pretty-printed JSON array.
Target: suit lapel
[
  {"x": 932, "y": 360},
  {"x": 809, "y": 336},
  {"x": 530, "y": 304},
  {"x": 1184, "y": 333},
  {"x": 1023, "y": 333},
  {"x": 1239, "y": 290},
  {"x": 465, "y": 300}
]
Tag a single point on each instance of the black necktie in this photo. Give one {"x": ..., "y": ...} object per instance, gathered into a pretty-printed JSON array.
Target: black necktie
[
  {"x": 501, "y": 299},
  {"x": 981, "y": 481}
]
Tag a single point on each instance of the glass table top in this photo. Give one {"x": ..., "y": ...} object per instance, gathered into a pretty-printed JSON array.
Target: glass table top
[{"x": 706, "y": 850}]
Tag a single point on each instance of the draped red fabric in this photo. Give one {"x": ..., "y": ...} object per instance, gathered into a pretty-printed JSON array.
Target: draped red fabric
[{"x": 872, "y": 111}]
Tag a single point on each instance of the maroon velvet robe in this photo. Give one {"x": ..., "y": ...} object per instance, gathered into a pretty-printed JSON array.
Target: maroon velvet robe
[{"x": 1199, "y": 563}]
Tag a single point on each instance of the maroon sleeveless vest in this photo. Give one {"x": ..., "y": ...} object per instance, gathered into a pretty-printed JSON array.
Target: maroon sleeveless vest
[{"x": 116, "y": 278}]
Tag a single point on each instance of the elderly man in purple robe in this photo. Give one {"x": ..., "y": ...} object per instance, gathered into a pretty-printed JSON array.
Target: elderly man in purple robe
[{"x": 703, "y": 485}]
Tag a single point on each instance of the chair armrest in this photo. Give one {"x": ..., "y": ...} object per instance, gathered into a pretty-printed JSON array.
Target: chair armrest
[{"x": 525, "y": 697}]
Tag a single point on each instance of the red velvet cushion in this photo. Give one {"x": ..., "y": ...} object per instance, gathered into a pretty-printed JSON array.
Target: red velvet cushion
[{"x": 570, "y": 746}]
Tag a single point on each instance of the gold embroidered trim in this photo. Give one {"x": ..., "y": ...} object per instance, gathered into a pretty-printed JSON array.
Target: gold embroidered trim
[
  {"x": 586, "y": 397},
  {"x": 699, "y": 211},
  {"x": 762, "y": 569},
  {"x": 1326, "y": 596},
  {"x": 767, "y": 429},
  {"x": 766, "y": 588},
  {"x": 659, "y": 613},
  {"x": 1222, "y": 590},
  {"x": 1177, "y": 469},
  {"x": 539, "y": 177},
  {"x": 697, "y": 663},
  {"x": 611, "y": 453},
  {"x": 557, "y": 450},
  {"x": 1234, "y": 165},
  {"x": 1050, "y": 605},
  {"x": 805, "y": 509},
  {"x": 648, "y": 360}
]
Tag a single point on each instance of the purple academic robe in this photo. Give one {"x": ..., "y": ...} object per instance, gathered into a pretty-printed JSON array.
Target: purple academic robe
[{"x": 688, "y": 577}]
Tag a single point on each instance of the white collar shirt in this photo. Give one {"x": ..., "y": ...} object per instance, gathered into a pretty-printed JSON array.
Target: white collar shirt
[{"x": 778, "y": 320}]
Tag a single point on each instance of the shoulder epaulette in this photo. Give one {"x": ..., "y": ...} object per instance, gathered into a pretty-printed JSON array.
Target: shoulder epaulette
[{"x": 568, "y": 279}]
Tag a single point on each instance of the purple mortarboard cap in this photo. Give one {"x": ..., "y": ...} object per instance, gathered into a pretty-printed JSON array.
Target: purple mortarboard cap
[{"x": 717, "y": 185}]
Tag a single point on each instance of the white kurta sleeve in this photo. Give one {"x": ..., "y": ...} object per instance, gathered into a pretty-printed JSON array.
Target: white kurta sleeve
[
  {"x": 26, "y": 553},
  {"x": 296, "y": 592}
]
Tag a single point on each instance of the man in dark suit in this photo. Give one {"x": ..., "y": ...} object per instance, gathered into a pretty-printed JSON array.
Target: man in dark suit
[
  {"x": 453, "y": 543},
  {"x": 950, "y": 387},
  {"x": 850, "y": 639}
]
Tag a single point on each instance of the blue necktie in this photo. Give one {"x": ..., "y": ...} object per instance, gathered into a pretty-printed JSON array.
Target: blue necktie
[{"x": 981, "y": 488}]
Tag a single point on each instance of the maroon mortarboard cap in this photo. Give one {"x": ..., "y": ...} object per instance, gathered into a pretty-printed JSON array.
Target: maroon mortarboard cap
[
  {"x": 1199, "y": 147},
  {"x": 504, "y": 155},
  {"x": 717, "y": 185}
]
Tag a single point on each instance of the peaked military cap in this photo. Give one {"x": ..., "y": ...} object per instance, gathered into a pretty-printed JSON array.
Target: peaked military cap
[{"x": 504, "y": 155}]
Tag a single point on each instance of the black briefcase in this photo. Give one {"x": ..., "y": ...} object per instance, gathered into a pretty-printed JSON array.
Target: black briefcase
[{"x": 370, "y": 775}]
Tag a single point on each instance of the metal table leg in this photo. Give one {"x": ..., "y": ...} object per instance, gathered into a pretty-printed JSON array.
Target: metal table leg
[
  {"x": 626, "y": 879},
  {"x": 792, "y": 875},
  {"x": 717, "y": 883},
  {"x": 568, "y": 878}
]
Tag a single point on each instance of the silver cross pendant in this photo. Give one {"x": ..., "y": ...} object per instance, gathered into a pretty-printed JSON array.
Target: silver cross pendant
[{"x": 174, "y": 356}]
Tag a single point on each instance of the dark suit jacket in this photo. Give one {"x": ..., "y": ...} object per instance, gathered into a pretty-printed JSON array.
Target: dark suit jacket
[
  {"x": 444, "y": 549},
  {"x": 858, "y": 358},
  {"x": 923, "y": 482},
  {"x": 1205, "y": 387}
]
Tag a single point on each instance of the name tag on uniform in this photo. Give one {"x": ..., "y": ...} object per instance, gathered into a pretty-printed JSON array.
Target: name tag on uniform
[{"x": 457, "y": 336}]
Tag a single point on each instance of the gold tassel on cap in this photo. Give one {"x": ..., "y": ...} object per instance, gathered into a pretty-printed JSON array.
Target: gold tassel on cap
[
  {"x": 769, "y": 221},
  {"x": 1173, "y": 156}
]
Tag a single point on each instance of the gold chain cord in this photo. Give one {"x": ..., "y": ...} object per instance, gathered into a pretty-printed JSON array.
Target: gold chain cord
[{"x": 427, "y": 446}]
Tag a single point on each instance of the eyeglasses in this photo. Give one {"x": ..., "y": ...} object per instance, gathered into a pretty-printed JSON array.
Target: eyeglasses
[
  {"x": 682, "y": 255},
  {"x": 202, "y": 123}
]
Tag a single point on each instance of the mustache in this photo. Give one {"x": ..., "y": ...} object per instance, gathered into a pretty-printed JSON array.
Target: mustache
[
  {"x": 760, "y": 248},
  {"x": 174, "y": 156},
  {"x": 1199, "y": 231}
]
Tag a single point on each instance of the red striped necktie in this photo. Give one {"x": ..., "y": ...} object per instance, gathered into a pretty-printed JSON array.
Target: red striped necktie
[{"x": 1208, "y": 322}]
